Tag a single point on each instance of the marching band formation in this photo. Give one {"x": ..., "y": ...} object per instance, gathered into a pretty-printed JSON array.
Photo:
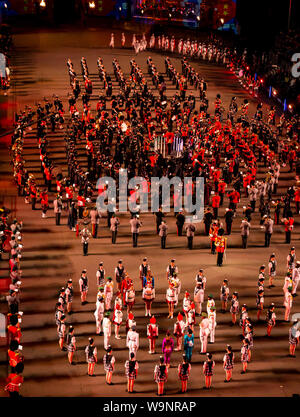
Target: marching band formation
[{"x": 121, "y": 134}]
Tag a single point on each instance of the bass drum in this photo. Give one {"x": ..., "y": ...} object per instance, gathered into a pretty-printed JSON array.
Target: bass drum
[{"x": 85, "y": 213}]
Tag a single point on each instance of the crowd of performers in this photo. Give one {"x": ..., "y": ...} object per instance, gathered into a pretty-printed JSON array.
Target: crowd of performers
[
  {"x": 225, "y": 154},
  {"x": 12, "y": 243},
  {"x": 117, "y": 297}
]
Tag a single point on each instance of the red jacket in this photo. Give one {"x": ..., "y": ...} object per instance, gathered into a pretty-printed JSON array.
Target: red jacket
[
  {"x": 221, "y": 187},
  {"x": 289, "y": 224},
  {"x": 216, "y": 201},
  {"x": 81, "y": 201}
]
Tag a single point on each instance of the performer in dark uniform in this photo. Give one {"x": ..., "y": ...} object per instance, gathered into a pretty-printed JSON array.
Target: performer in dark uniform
[
  {"x": 208, "y": 367},
  {"x": 271, "y": 318},
  {"x": 160, "y": 375},
  {"x": 91, "y": 356},
  {"x": 228, "y": 360},
  {"x": 131, "y": 371},
  {"x": 184, "y": 370},
  {"x": 71, "y": 345}
]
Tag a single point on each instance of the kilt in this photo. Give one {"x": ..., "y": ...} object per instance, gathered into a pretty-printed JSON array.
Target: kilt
[
  {"x": 293, "y": 340},
  {"x": 131, "y": 375},
  {"x": 250, "y": 338},
  {"x": 234, "y": 310},
  {"x": 182, "y": 376},
  {"x": 61, "y": 334},
  {"x": 228, "y": 364},
  {"x": 71, "y": 348},
  {"x": 108, "y": 367},
  {"x": 159, "y": 378},
  {"x": 244, "y": 355},
  {"x": 207, "y": 371},
  {"x": 90, "y": 359}
]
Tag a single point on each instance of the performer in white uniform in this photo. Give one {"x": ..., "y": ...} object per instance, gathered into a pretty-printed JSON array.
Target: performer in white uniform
[
  {"x": 212, "y": 318},
  {"x": 204, "y": 332},
  {"x": 132, "y": 341},
  {"x": 106, "y": 325}
]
